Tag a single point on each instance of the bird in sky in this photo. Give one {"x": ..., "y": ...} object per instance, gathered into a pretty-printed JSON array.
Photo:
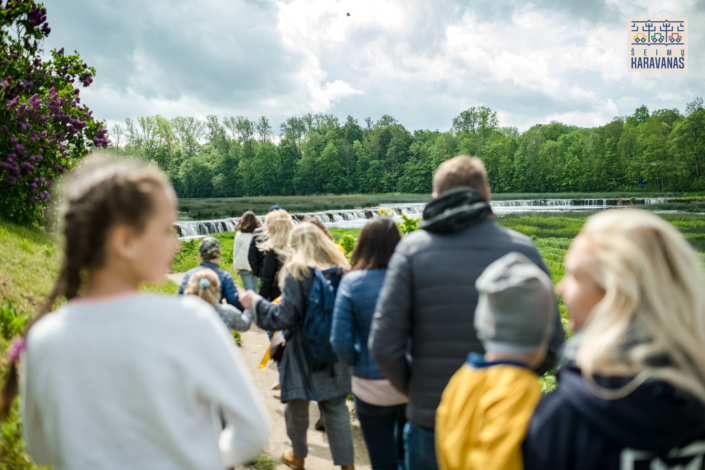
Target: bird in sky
[{"x": 348, "y": 14}]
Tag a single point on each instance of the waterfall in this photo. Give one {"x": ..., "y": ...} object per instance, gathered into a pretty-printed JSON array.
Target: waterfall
[{"x": 356, "y": 218}]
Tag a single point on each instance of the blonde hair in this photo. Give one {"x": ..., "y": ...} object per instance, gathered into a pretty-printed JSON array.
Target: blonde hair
[
  {"x": 310, "y": 248},
  {"x": 278, "y": 224},
  {"x": 210, "y": 294},
  {"x": 651, "y": 321},
  {"x": 461, "y": 171}
]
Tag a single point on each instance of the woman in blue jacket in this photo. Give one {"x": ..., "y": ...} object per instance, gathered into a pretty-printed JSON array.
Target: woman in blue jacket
[{"x": 380, "y": 407}]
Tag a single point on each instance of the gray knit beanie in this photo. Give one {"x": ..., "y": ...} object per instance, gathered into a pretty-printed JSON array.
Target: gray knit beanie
[
  {"x": 209, "y": 248},
  {"x": 516, "y": 307}
]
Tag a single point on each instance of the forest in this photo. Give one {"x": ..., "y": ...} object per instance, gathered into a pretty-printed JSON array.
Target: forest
[{"x": 657, "y": 151}]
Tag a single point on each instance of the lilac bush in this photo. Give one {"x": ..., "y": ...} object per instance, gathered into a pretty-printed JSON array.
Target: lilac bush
[{"x": 44, "y": 128}]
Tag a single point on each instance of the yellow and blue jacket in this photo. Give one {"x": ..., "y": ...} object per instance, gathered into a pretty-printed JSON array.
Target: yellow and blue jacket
[{"x": 484, "y": 414}]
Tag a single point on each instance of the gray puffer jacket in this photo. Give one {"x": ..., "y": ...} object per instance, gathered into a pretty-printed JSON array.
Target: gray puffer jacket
[{"x": 422, "y": 330}]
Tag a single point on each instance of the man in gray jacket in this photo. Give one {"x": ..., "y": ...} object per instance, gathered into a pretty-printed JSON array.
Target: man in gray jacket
[{"x": 422, "y": 330}]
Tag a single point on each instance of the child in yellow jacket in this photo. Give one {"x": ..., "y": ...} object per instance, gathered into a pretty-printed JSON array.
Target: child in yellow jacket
[{"x": 486, "y": 407}]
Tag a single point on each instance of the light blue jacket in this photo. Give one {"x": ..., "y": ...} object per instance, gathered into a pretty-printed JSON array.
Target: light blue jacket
[{"x": 352, "y": 317}]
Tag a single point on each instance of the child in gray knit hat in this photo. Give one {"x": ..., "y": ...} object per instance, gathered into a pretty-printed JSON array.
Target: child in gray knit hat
[{"x": 485, "y": 410}]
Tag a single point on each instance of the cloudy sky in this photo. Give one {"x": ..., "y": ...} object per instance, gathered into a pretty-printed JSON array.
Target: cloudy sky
[{"x": 420, "y": 61}]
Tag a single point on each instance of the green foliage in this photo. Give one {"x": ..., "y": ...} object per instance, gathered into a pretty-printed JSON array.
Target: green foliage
[
  {"x": 348, "y": 243},
  {"x": 263, "y": 462},
  {"x": 11, "y": 323},
  {"x": 320, "y": 155},
  {"x": 237, "y": 337},
  {"x": 45, "y": 131},
  {"x": 408, "y": 224}
]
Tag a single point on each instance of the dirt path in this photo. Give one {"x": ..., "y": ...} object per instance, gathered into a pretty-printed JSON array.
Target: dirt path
[{"x": 254, "y": 344}]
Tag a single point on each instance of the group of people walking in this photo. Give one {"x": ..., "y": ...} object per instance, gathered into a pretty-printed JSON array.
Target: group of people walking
[{"x": 441, "y": 337}]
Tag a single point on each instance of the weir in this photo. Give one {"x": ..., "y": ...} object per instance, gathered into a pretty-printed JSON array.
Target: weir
[{"x": 356, "y": 218}]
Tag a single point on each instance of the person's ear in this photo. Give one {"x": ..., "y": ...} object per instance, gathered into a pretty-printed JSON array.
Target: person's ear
[
  {"x": 434, "y": 195},
  {"x": 121, "y": 242},
  {"x": 488, "y": 193}
]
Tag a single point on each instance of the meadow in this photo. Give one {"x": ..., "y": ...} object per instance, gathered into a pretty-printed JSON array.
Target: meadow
[{"x": 216, "y": 208}]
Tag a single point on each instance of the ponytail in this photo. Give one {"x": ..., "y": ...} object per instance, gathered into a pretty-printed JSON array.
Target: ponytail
[{"x": 99, "y": 195}]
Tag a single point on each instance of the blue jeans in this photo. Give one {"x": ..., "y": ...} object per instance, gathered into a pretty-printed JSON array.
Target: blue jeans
[
  {"x": 383, "y": 429},
  {"x": 419, "y": 448},
  {"x": 249, "y": 281}
]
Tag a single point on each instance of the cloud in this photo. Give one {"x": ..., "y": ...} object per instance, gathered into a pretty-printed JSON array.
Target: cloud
[{"x": 422, "y": 62}]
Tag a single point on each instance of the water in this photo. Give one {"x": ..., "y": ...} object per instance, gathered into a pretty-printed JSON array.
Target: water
[{"x": 357, "y": 218}]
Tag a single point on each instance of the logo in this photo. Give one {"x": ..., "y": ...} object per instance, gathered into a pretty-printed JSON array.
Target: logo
[{"x": 658, "y": 44}]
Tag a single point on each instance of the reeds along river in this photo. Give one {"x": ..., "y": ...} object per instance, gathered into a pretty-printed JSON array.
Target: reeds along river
[{"x": 356, "y": 218}]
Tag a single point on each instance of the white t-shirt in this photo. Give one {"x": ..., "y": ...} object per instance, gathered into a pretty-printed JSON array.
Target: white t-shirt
[
  {"x": 136, "y": 382},
  {"x": 241, "y": 247}
]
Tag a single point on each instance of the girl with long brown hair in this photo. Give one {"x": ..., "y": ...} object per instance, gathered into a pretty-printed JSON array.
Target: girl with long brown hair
[
  {"x": 115, "y": 378},
  {"x": 241, "y": 245}
]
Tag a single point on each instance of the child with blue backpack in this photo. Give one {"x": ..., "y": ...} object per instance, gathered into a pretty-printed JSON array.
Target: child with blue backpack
[{"x": 309, "y": 369}]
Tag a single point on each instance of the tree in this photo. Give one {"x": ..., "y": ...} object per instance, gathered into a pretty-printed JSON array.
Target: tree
[
  {"x": 189, "y": 130},
  {"x": 293, "y": 129},
  {"x": 386, "y": 120},
  {"x": 45, "y": 129},
  {"x": 693, "y": 106},
  {"x": 116, "y": 133},
  {"x": 465, "y": 121},
  {"x": 148, "y": 126},
  {"x": 263, "y": 129}
]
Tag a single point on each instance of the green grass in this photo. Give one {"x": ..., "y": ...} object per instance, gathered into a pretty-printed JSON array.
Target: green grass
[{"x": 263, "y": 462}]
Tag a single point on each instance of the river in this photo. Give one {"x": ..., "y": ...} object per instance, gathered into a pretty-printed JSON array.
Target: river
[{"x": 356, "y": 218}]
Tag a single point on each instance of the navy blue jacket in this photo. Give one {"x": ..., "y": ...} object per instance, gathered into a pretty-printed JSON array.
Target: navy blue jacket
[
  {"x": 227, "y": 285},
  {"x": 352, "y": 317},
  {"x": 572, "y": 428}
]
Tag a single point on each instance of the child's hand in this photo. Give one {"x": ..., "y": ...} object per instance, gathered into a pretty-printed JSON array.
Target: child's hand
[{"x": 247, "y": 298}]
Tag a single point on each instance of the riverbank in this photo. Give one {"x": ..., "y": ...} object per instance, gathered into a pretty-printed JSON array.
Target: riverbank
[
  {"x": 358, "y": 217},
  {"x": 218, "y": 208}
]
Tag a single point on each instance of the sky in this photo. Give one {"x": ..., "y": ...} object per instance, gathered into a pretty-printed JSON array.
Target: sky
[{"x": 420, "y": 61}]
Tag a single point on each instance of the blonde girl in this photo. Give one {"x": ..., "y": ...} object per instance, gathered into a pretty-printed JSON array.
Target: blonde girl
[
  {"x": 635, "y": 293},
  {"x": 119, "y": 379},
  {"x": 309, "y": 249},
  {"x": 278, "y": 225},
  {"x": 206, "y": 285}
]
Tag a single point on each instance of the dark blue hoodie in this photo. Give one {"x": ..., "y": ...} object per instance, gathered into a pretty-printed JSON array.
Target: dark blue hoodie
[{"x": 653, "y": 427}]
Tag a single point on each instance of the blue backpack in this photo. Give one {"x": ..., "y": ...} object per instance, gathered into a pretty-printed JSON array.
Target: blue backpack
[{"x": 319, "y": 317}]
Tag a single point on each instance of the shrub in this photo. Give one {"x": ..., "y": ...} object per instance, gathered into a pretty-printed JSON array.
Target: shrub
[
  {"x": 45, "y": 130},
  {"x": 348, "y": 243}
]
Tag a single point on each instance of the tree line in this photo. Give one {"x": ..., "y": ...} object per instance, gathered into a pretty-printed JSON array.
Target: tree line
[{"x": 662, "y": 150}]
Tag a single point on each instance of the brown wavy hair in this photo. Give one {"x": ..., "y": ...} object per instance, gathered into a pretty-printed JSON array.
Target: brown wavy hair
[
  {"x": 248, "y": 222},
  {"x": 375, "y": 247},
  {"x": 99, "y": 195}
]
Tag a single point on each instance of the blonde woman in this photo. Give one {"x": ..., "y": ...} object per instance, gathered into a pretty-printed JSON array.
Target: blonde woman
[
  {"x": 206, "y": 285},
  {"x": 300, "y": 383},
  {"x": 634, "y": 395},
  {"x": 278, "y": 225}
]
